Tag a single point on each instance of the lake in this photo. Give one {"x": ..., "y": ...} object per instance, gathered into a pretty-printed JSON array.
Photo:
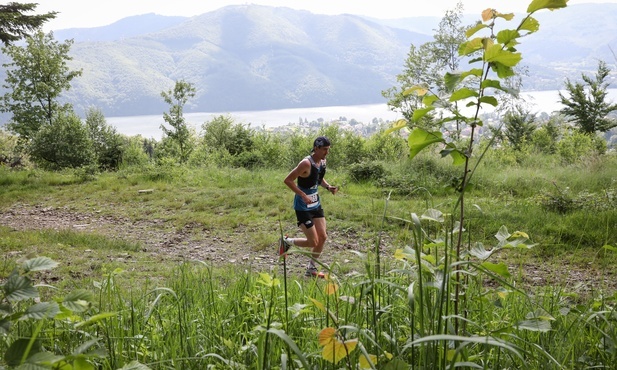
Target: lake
[{"x": 149, "y": 126}]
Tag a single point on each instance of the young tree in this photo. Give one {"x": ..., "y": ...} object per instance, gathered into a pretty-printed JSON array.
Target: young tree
[
  {"x": 107, "y": 144},
  {"x": 519, "y": 125},
  {"x": 35, "y": 79},
  {"x": 179, "y": 133},
  {"x": 586, "y": 105},
  {"x": 426, "y": 65},
  {"x": 14, "y": 24}
]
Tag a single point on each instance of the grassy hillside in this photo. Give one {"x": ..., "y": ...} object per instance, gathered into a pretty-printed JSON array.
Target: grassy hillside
[{"x": 176, "y": 267}]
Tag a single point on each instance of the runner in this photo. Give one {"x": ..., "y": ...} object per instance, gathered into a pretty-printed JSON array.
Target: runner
[{"x": 309, "y": 174}]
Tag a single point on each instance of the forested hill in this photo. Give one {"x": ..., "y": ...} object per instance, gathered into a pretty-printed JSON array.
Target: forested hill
[
  {"x": 251, "y": 57},
  {"x": 242, "y": 58}
]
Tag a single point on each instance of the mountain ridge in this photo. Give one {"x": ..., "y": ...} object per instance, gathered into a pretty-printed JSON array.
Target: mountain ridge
[{"x": 255, "y": 57}]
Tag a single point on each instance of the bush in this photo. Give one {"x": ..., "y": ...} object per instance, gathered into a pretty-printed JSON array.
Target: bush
[
  {"x": 65, "y": 143},
  {"x": 366, "y": 171},
  {"x": 134, "y": 154},
  {"x": 249, "y": 160},
  {"x": 11, "y": 153},
  {"x": 576, "y": 145}
]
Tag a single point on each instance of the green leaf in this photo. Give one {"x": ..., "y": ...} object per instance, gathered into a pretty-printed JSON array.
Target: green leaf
[
  {"x": 81, "y": 363},
  {"x": 84, "y": 347},
  {"x": 610, "y": 248},
  {"x": 78, "y": 301},
  {"x": 495, "y": 54},
  {"x": 473, "y": 30},
  {"x": 471, "y": 46},
  {"x": 458, "y": 157},
  {"x": 418, "y": 90},
  {"x": 463, "y": 93},
  {"x": 18, "y": 349},
  {"x": 530, "y": 24},
  {"x": 478, "y": 250},
  {"x": 39, "y": 264},
  {"x": 42, "y": 310},
  {"x": 96, "y": 318},
  {"x": 396, "y": 364},
  {"x": 505, "y": 37},
  {"x": 419, "y": 113},
  {"x": 546, "y": 4},
  {"x": 5, "y": 326},
  {"x": 502, "y": 71},
  {"x": 429, "y": 99},
  {"x": 495, "y": 84},
  {"x": 433, "y": 215},
  {"x": 292, "y": 345},
  {"x": 18, "y": 288},
  {"x": 420, "y": 139},
  {"x": 535, "y": 325},
  {"x": 489, "y": 100},
  {"x": 502, "y": 234},
  {"x": 482, "y": 341},
  {"x": 41, "y": 360},
  {"x": 451, "y": 80},
  {"x": 400, "y": 124},
  {"x": 498, "y": 268}
]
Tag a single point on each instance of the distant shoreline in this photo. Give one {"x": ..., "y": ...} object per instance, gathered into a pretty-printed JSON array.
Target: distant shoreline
[{"x": 149, "y": 125}]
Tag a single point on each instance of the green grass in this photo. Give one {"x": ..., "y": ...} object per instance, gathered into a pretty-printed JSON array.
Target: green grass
[{"x": 191, "y": 315}]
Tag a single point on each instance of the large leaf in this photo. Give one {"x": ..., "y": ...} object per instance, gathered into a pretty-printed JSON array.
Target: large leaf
[
  {"x": 471, "y": 46},
  {"x": 500, "y": 269},
  {"x": 496, "y": 54},
  {"x": 78, "y": 301},
  {"x": 17, "y": 350},
  {"x": 530, "y": 24},
  {"x": 336, "y": 350},
  {"x": 507, "y": 37},
  {"x": 39, "y": 264},
  {"x": 458, "y": 158},
  {"x": 463, "y": 93},
  {"x": 420, "y": 139},
  {"x": 43, "y": 310},
  {"x": 478, "y": 250},
  {"x": 489, "y": 100},
  {"x": 535, "y": 325},
  {"x": 18, "y": 288},
  {"x": 546, "y": 4},
  {"x": 419, "y": 113}
]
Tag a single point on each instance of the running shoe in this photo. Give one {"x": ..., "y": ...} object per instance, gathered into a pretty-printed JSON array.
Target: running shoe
[
  {"x": 311, "y": 271},
  {"x": 284, "y": 246}
]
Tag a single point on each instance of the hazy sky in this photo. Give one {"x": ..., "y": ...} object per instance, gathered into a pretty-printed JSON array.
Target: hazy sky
[{"x": 91, "y": 13}]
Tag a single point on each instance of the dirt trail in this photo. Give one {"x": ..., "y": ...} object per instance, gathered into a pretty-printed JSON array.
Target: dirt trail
[{"x": 195, "y": 243}]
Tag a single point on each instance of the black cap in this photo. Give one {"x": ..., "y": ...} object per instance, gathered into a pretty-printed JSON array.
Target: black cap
[{"x": 321, "y": 142}]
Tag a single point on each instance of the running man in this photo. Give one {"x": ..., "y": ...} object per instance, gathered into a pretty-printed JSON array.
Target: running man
[{"x": 309, "y": 174}]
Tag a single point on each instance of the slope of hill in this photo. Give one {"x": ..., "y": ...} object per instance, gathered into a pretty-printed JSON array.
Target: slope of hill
[
  {"x": 251, "y": 57},
  {"x": 244, "y": 58}
]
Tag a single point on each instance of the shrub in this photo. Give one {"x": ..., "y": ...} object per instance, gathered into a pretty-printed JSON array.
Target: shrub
[
  {"x": 134, "y": 154},
  {"x": 65, "y": 143},
  {"x": 365, "y": 171},
  {"x": 575, "y": 145}
]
